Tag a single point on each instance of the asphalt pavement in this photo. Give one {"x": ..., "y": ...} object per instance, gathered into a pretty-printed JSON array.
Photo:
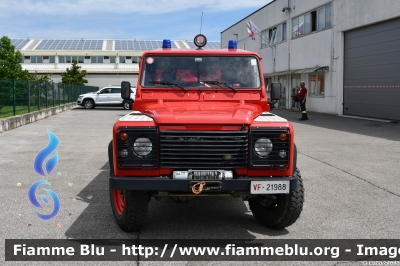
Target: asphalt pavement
[{"x": 350, "y": 169}]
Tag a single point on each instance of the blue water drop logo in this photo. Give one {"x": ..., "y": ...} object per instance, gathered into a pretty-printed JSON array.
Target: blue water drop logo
[
  {"x": 32, "y": 198},
  {"x": 44, "y": 153}
]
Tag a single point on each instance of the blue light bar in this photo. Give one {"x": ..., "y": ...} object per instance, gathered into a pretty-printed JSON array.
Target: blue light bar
[
  {"x": 166, "y": 44},
  {"x": 232, "y": 44}
]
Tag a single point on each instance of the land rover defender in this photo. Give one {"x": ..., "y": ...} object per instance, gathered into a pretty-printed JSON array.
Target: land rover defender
[{"x": 201, "y": 126}]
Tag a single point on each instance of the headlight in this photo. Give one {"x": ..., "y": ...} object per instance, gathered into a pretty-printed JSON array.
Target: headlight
[
  {"x": 263, "y": 147},
  {"x": 80, "y": 96},
  {"x": 142, "y": 146}
]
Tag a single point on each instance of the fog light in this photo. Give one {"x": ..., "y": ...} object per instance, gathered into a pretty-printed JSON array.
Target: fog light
[
  {"x": 124, "y": 152},
  {"x": 282, "y": 153}
]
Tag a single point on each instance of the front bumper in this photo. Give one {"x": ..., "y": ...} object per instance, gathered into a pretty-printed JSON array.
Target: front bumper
[{"x": 166, "y": 184}]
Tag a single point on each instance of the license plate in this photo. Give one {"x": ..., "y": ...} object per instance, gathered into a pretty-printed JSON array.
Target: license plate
[{"x": 269, "y": 187}]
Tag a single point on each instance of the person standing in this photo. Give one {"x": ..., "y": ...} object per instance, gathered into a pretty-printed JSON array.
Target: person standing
[{"x": 302, "y": 95}]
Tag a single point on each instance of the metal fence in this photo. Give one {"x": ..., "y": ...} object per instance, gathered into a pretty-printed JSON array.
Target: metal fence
[{"x": 25, "y": 96}]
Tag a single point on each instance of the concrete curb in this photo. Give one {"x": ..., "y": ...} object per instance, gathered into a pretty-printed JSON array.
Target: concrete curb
[{"x": 20, "y": 120}]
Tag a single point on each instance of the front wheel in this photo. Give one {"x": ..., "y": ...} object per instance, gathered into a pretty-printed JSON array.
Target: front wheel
[
  {"x": 280, "y": 210},
  {"x": 88, "y": 104},
  {"x": 127, "y": 105},
  {"x": 129, "y": 207}
]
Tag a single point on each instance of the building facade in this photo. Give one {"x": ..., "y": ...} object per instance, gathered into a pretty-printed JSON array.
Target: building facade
[
  {"x": 107, "y": 62},
  {"x": 346, "y": 51}
]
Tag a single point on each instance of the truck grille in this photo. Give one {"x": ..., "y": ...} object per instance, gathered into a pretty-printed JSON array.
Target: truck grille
[{"x": 203, "y": 149}]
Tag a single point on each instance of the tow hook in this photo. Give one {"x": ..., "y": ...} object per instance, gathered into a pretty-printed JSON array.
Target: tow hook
[{"x": 200, "y": 186}]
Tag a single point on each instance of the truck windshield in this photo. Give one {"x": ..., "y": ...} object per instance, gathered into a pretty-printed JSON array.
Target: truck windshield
[{"x": 200, "y": 72}]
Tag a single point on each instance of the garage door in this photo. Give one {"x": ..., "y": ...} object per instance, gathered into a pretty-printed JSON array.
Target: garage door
[{"x": 372, "y": 71}]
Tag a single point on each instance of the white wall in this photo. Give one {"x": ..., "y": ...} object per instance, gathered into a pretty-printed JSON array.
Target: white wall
[
  {"x": 318, "y": 49},
  {"x": 102, "y": 80}
]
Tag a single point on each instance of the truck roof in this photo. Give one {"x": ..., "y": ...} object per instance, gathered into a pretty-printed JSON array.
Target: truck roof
[{"x": 230, "y": 52}]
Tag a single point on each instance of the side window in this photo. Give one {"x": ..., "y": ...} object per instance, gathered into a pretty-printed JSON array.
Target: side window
[
  {"x": 106, "y": 90},
  {"x": 315, "y": 20},
  {"x": 317, "y": 84},
  {"x": 116, "y": 90}
]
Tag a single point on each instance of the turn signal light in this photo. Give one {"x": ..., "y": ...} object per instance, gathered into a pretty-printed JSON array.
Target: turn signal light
[
  {"x": 123, "y": 136},
  {"x": 283, "y": 136}
]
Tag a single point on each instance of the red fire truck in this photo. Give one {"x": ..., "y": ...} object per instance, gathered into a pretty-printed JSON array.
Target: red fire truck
[{"x": 201, "y": 126}]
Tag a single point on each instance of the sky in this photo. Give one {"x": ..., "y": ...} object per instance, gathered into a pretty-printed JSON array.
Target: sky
[{"x": 121, "y": 19}]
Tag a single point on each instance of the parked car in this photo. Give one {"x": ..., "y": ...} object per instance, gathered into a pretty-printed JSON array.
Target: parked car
[{"x": 107, "y": 96}]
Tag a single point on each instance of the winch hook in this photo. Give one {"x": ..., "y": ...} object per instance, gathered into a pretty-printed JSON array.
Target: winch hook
[{"x": 200, "y": 189}]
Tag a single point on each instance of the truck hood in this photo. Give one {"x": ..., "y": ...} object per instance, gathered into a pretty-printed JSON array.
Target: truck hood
[{"x": 202, "y": 112}]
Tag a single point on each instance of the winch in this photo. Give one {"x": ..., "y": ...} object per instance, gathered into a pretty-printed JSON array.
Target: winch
[{"x": 203, "y": 174}]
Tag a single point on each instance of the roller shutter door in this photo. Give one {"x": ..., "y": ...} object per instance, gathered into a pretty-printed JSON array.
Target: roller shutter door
[{"x": 372, "y": 71}]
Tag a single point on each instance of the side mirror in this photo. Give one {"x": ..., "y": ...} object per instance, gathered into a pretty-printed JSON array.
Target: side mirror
[
  {"x": 275, "y": 91},
  {"x": 125, "y": 90}
]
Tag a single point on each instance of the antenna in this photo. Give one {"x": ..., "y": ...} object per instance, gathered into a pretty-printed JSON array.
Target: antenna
[{"x": 201, "y": 21}]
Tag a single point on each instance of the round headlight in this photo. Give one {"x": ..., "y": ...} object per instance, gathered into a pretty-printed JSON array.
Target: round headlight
[
  {"x": 142, "y": 146},
  {"x": 263, "y": 147}
]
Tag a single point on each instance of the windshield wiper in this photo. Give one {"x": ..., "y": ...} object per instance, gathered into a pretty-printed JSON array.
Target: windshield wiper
[
  {"x": 214, "y": 82},
  {"x": 165, "y": 82}
]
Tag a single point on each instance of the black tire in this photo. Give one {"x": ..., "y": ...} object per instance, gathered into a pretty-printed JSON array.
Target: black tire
[
  {"x": 88, "y": 103},
  {"x": 110, "y": 158},
  {"x": 281, "y": 212},
  {"x": 127, "y": 105},
  {"x": 133, "y": 214},
  {"x": 135, "y": 209}
]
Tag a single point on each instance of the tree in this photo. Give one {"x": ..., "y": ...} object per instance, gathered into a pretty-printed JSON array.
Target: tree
[
  {"x": 15, "y": 79},
  {"x": 10, "y": 67},
  {"x": 74, "y": 75},
  {"x": 42, "y": 78}
]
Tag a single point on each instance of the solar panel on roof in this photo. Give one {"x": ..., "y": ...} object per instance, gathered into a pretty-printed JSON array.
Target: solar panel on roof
[
  {"x": 129, "y": 45},
  {"x": 98, "y": 44},
  {"x": 213, "y": 45},
  {"x": 191, "y": 45},
  {"x": 19, "y": 43},
  {"x": 139, "y": 45},
  {"x": 209, "y": 45},
  {"x": 70, "y": 45}
]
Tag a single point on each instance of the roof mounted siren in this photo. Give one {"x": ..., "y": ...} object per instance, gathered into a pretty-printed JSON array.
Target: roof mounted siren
[
  {"x": 200, "y": 41},
  {"x": 232, "y": 45},
  {"x": 166, "y": 43}
]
